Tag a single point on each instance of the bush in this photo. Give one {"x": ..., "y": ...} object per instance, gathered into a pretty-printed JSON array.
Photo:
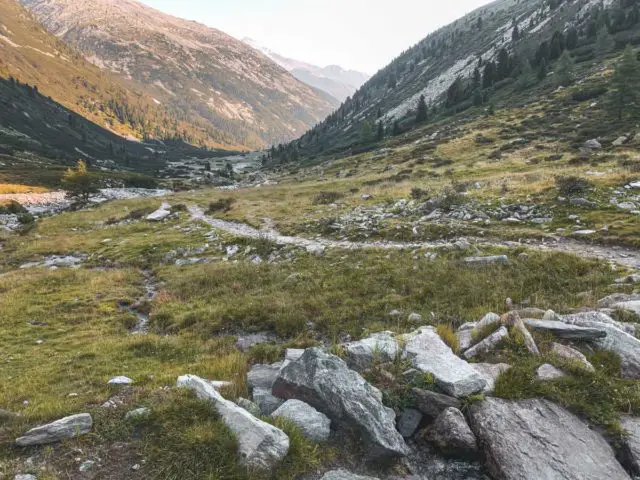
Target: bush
[
  {"x": 326, "y": 198},
  {"x": 419, "y": 193},
  {"x": 140, "y": 181},
  {"x": 571, "y": 185},
  {"x": 12, "y": 208},
  {"x": 222, "y": 205}
]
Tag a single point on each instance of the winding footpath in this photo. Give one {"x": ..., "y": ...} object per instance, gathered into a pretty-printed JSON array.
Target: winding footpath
[{"x": 620, "y": 255}]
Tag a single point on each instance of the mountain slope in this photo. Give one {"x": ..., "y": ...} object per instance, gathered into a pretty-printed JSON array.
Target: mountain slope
[
  {"x": 449, "y": 67},
  {"x": 334, "y": 80},
  {"x": 33, "y": 56},
  {"x": 200, "y": 72}
]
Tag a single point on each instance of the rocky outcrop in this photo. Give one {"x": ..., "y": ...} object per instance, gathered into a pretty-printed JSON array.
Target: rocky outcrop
[
  {"x": 565, "y": 330},
  {"x": 429, "y": 354},
  {"x": 325, "y": 382},
  {"x": 261, "y": 446},
  {"x": 379, "y": 346},
  {"x": 451, "y": 435},
  {"x": 314, "y": 425},
  {"x": 536, "y": 439},
  {"x": 65, "y": 428}
]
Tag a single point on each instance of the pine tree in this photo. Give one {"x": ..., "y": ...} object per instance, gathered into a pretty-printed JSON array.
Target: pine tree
[
  {"x": 396, "y": 128},
  {"x": 624, "y": 97},
  {"x": 543, "y": 70},
  {"x": 422, "y": 114},
  {"x": 564, "y": 70},
  {"x": 380, "y": 135},
  {"x": 366, "y": 134},
  {"x": 604, "y": 42},
  {"x": 477, "y": 79},
  {"x": 515, "y": 35}
]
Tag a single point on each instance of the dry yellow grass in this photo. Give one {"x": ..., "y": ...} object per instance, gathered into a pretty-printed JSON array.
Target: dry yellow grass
[{"x": 11, "y": 188}]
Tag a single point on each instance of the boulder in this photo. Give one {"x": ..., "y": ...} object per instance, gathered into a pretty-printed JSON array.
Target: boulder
[
  {"x": 261, "y": 446},
  {"x": 429, "y": 354},
  {"x": 569, "y": 353},
  {"x": 566, "y": 330},
  {"x": 24, "y": 476},
  {"x": 618, "y": 142},
  {"x": 590, "y": 319},
  {"x": 121, "y": 380},
  {"x": 592, "y": 144},
  {"x": 137, "y": 414},
  {"x": 610, "y": 300},
  {"x": 67, "y": 427},
  {"x": 266, "y": 401},
  {"x": 582, "y": 202},
  {"x": 537, "y": 439},
  {"x": 516, "y": 323},
  {"x": 627, "y": 347},
  {"x": 263, "y": 376},
  {"x": 487, "y": 344},
  {"x": 548, "y": 372},
  {"x": 451, "y": 435},
  {"x": 160, "y": 214},
  {"x": 465, "y": 339},
  {"x": 409, "y": 421},
  {"x": 314, "y": 425},
  {"x": 379, "y": 346},
  {"x": 490, "y": 372},
  {"x": 344, "y": 475},
  {"x": 325, "y": 382},
  {"x": 432, "y": 404},
  {"x": 489, "y": 319},
  {"x": 631, "y": 443},
  {"x": 492, "y": 260},
  {"x": 632, "y": 306}
]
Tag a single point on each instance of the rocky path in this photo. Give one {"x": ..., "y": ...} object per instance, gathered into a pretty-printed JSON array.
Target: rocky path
[{"x": 621, "y": 255}]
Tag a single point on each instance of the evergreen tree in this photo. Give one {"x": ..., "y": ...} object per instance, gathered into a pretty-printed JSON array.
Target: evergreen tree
[
  {"x": 624, "y": 97},
  {"x": 396, "y": 128},
  {"x": 515, "y": 35},
  {"x": 543, "y": 70},
  {"x": 604, "y": 42},
  {"x": 489, "y": 75},
  {"x": 477, "y": 79},
  {"x": 422, "y": 114},
  {"x": 380, "y": 135},
  {"x": 504, "y": 64},
  {"x": 572, "y": 38},
  {"x": 366, "y": 134}
]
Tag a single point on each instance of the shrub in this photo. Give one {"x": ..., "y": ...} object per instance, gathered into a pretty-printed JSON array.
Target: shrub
[
  {"x": 12, "y": 208},
  {"x": 140, "y": 181},
  {"x": 573, "y": 185},
  {"x": 419, "y": 193},
  {"x": 449, "y": 337},
  {"x": 222, "y": 205},
  {"x": 326, "y": 198}
]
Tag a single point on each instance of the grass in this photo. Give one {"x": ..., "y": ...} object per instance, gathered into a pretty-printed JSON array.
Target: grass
[{"x": 13, "y": 188}]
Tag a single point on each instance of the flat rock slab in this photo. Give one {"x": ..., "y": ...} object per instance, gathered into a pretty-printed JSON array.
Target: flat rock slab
[
  {"x": 537, "y": 439},
  {"x": 483, "y": 261},
  {"x": 65, "y": 428},
  {"x": 261, "y": 446},
  {"x": 566, "y": 330},
  {"x": 313, "y": 424},
  {"x": 344, "y": 475},
  {"x": 325, "y": 382},
  {"x": 429, "y": 354}
]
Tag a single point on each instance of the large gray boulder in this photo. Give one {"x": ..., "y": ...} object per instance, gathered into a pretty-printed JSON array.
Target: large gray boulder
[
  {"x": 537, "y": 439},
  {"x": 379, "y": 346},
  {"x": 631, "y": 443},
  {"x": 451, "y": 435},
  {"x": 566, "y": 330},
  {"x": 65, "y": 428},
  {"x": 314, "y": 425},
  {"x": 261, "y": 446},
  {"x": 432, "y": 404},
  {"x": 429, "y": 354},
  {"x": 344, "y": 475},
  {"x": 325, "y": 382}
]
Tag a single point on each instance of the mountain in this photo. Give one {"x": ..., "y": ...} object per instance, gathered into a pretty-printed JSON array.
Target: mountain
[
  {"x": 334, "y": 80},
  {"x": 503, "y": 54},
  {"x": 58, "y": 106},
  {"x": 199, "y": 72}
]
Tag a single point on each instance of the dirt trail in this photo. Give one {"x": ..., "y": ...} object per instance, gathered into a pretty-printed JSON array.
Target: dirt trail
[{"x": 621, "y": 255}]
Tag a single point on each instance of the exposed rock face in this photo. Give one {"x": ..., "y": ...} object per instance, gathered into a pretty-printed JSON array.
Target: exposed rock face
[
  {"x": 451, "y": 435},
  {"x": 566, "y": 331},
  {"x": 631, "y": 443},
  {"x": 379, "y": 346},
  {"x": 314, "y": 425},
  {"x": 344, "y": 475},
  {"x": 262, "y": 446},
  {"x": 67, "y": 427},
  {"x": 548, "y": 372},
  {"x": 571, "y": 354},
  {"x": 536, "y": 439},
  {"x": 430, "y": 354},
  {"x": 325, "y": 382},
  {"x": 488, "y": 343},
  {"x": 432, "y": 404},
  {"x": 490, "y": 372}
]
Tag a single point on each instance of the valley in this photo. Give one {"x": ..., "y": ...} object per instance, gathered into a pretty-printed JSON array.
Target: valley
[{"x": 441, "y": 289}]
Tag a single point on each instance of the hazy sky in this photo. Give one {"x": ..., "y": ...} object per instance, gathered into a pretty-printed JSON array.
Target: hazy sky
[{"x": 360, "y": 34}]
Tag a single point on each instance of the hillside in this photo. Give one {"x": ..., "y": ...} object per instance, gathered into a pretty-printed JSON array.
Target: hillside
[
  {"x": 201, "y": 73},
  {"x": 333, "y": 79},
  {"x": 476, "y": 62}
]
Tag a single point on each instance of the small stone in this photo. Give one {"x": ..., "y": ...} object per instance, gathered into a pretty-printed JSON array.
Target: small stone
[
  {"x": 67, "y": 427},
  {"x": 592, "y": 144},
  {"x": 121, "y": 380},
  {"x": 86, "y": 466},
  {"x": 415, "y": 318},
  {"x": 548, "y": 372},
  {"x": 408, "y": 422},
  {"x": 316, "y": 249},
  {"x": 137, "y": 414}
]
